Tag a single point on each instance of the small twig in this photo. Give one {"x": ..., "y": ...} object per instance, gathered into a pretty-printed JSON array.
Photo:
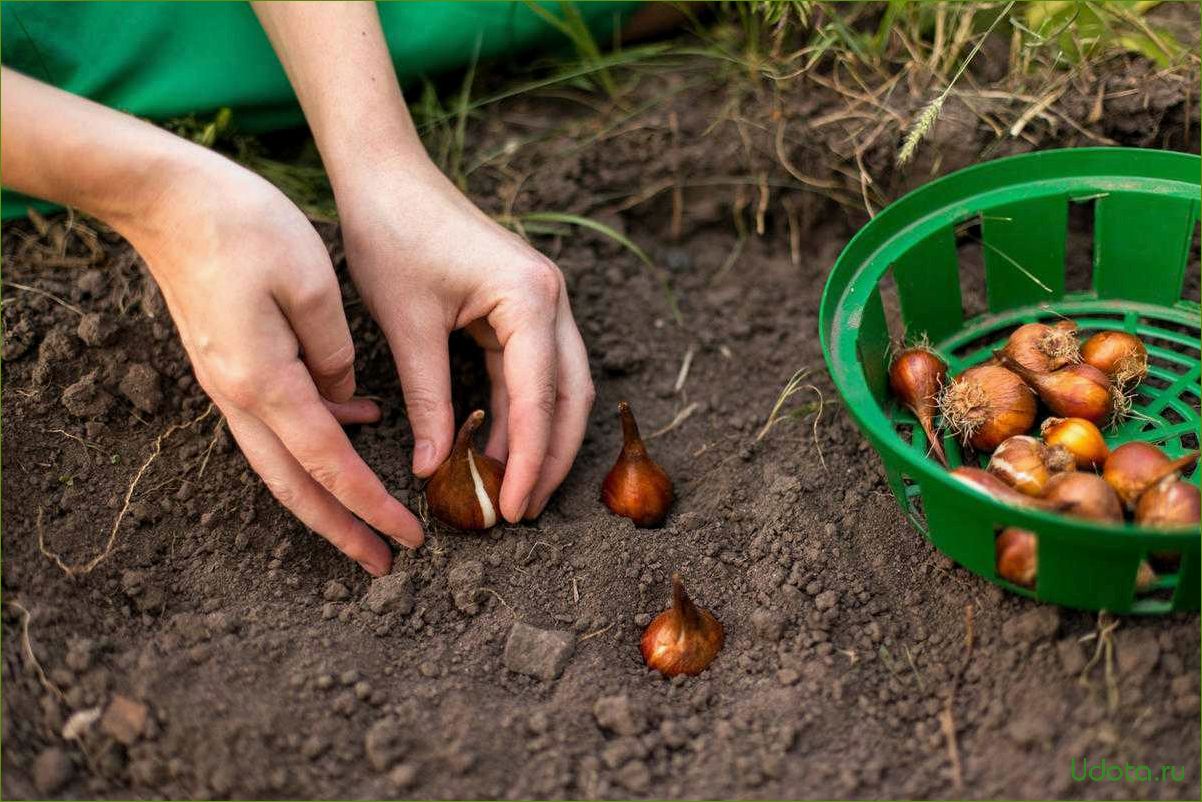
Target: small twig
[
  {"x": 922, "y": 686},
  {"x": 45, "y": 294},
  {"x": 680, "y": 418},
  {"x": 947, "y": 723},
  {"x": 685, "y": 364},
  {"x": 27, "y": 647},
  {"x": 590, "y": 635},
  {"x": 501, "y": 599}
]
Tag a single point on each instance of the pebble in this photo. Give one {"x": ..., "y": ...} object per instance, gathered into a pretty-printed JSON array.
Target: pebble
[
  {"x": 826, "y": 599},
  {"x": 335, "y": 591},
  {"x": 349, "y": 677},
  {"x": 329, "y": 610},
  {"x": 95, "y": 329},
  {"x": 541, "y": 653},
  {"x": 635, "y": 776},
  {"x": 325, "y": 682},
  {"x": 428, "y": 668},
  {"x": 52, "y": 770},
  {"x": 388, "y": 593},
  {"x": 124, "y": 720},
  {"x": 618, "y": 715},
  {"x": 403, "y": 776},
  {"x": 140, "y": 385},
  {"x": 465, "y": 579},
  {"x": 384, "y": 743},
  {"x": 362, "y": 690}
]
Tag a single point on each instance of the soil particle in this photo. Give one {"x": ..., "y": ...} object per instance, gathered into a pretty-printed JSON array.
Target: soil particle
[
  {"x": 384, "y": 743},
  {"x": 769, "y": 624},
  {"x": 464, "y": 579},
  {"x": 96, "y": 329},
  {"x": 541, "y": 653},
  {"x": 124, "y": 720},
  {"x": 140, "y": 385},
  {"x": 1072, "y": 656},
  {"x": 616, "y": 714},
  {"x": 826, "y": 600},
  {"x": 1031, "y": 626},
  {"x": 1138, "y": 653},
  {"x": 52, "y": 770},
  {"x": 393, "y": 592},
  {"x": 402, "y": 777},
  {"x": 334, "y": 591},
  {"x": 86, "y": 399}
]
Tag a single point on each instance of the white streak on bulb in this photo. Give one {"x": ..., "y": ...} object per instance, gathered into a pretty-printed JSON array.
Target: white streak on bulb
[{"x": 486, "y": 509}]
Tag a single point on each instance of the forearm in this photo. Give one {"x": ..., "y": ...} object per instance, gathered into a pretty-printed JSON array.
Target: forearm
[
  {"x": 337, "y": 60},
  {"x": 69, "y": 150}
]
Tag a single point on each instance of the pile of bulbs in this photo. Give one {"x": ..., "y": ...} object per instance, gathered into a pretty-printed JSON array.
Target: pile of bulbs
[
  {"x": 465, "y": 493},
  {"x": 992, "y": 407}
]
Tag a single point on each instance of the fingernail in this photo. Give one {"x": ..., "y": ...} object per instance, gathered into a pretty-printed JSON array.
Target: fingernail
[
  {"x": 374, "y": 570},
  {"x": 423, "y": 457},
  {"x": 525, "y": 506}
]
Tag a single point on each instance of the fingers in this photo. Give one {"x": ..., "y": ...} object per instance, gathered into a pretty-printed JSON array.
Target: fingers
[
  {"x": 529, "y": 362},
  {"x": 423, "y": 364},
  {"x": 305, "y": 498},
  {"x": 304, "y": 425},
  {"x": 313, "y": 306},
  {"x": 357, "y": 410},
  {"x": 574, "y": 401},
  {"x": 498, "y": 431}
]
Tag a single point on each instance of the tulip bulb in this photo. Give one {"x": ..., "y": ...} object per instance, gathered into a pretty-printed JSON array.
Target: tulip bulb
[
  {"x": 1170, "y": 503},
  {"x": 986, "y": 404},
  {"x": 1043, "y": 348},
  {"x": 1015, "y": 554},
  {"x": 465, "y": 490},
  {"x": 1075, "y": 391},
  {"x": 1134, "y": 467},
  {"x": 1084, "y": 495},
  {"x": 1119, "y": 355},
  {"x": 990, "y": 485},
  {"x": 683, "y": 639},
  {"x": 916, "y": 377},
  {"x": 635, "y": 487},
  {"x": 1082, "y": 439},
  {"x": 1026, "y": 464}
]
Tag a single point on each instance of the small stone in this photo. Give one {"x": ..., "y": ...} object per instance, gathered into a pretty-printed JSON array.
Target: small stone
[
  {"x": 124, "y": 720},
  {"x": 329, "y": 610},
  {"x": 541, "y": 653},
  {"x": 1035, "y": 624},
  {"x": 403, "y": 776},
  {"x": 95, "y": 329},
  {"x": 140, "y": 385},
  {"x": 349, "y": 677},
  {"x": 388, "y": 593},
  {"x": 428, "y": 668},
  {"x": 335, "y": 591},
  {"x": 362, "y": 690},
  {"x": 465, "y": 579},
  {"x": 384, "y": 743},
  {"x": 618, "y": 715},
  {"x": 826, "y": 599},
  {"x": 86, "y": 399},
  {"x": 313, "y": 747},
  {"x": 325, "y": 682},
  {"x": 52, "y": 770}
]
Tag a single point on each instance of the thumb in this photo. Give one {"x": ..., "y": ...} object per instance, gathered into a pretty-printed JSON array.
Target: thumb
[{"x": 423, "y": 364}]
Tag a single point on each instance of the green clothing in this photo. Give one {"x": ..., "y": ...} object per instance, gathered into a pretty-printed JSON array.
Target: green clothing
[{"x": 168, "y": 59}]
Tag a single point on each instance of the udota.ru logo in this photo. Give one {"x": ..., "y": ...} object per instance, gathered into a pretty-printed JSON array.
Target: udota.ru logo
[{"x": 1102, "y": 771}]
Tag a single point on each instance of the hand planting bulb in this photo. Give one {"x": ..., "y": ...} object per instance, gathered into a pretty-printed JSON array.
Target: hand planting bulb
[
  {"x": 465, "y": 490},
  {"x": 683, "y": 639},
  {"x": 635, "y": 487}
]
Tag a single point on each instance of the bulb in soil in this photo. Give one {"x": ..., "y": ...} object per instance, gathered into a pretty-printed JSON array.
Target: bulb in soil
[
  {"x": 1026, "y": 464},
  {"x": 1084, "y": 495},
  {"x": 636, "y": 487},
  {"x": 1076, "y": 391},
  {"x": 1082, "y": 439},
  {"x": 916, "y": 377},
  {"x": 1119, "y": 355},
  {"x": 683, "y": 639},
  {"x": 1043, "y": 348},
  {"x": 1134, "y": 467},
  {"x": 465, "y": 490},
  {"x": 986, "y": 404},
  {"x": 1015, "y": 553}
]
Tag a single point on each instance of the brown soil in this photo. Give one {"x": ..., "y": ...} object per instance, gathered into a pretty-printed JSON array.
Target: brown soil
[{"x": 846, "y": 671}]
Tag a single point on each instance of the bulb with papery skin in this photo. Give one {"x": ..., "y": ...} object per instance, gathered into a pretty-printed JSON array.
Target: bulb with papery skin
[
  {"x": 636, "y": 487},
  {"x": 465, "y": 490},
  {"x": 1083, "y": 440},
  {"x": 683, "y": 639},
  {"x": 1134, "y": 467},
  {"x": 1015, "y": 551},
  {"x": 1075, "y": 391},
  {"x": 1042, "y": 347},
  {"x": 1084, "y": 495}
]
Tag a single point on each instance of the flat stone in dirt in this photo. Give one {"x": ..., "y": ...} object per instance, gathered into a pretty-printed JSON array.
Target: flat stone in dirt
[
  {"x": 124, "y": 719},
  {"x": 52, "y": 770},
  {"x": 389, "y": 593},
  {"x": 541, "y": 653}
]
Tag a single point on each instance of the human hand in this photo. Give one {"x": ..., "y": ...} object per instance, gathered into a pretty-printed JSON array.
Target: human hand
[
  {"x": 426, "y": 262},
  {"x": 258, "y": 307}
]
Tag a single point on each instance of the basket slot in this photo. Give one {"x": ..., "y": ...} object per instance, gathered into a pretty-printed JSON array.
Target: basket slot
[
  {"x": 1141, "y": 245},
  {"x": 928, "y": 286},
  {"x": 957, "y": 530},
  {"x": 872, "y": 346},
  {"x": 1186, "y": 597},
  {"x": 1024, "y": 252}
]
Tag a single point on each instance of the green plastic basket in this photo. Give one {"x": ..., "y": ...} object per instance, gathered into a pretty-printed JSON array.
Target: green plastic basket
[{"x": 1146, "y": 210}]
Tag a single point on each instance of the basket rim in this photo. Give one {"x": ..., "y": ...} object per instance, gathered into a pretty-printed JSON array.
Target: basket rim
[{"x": 939, "y": 199}]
